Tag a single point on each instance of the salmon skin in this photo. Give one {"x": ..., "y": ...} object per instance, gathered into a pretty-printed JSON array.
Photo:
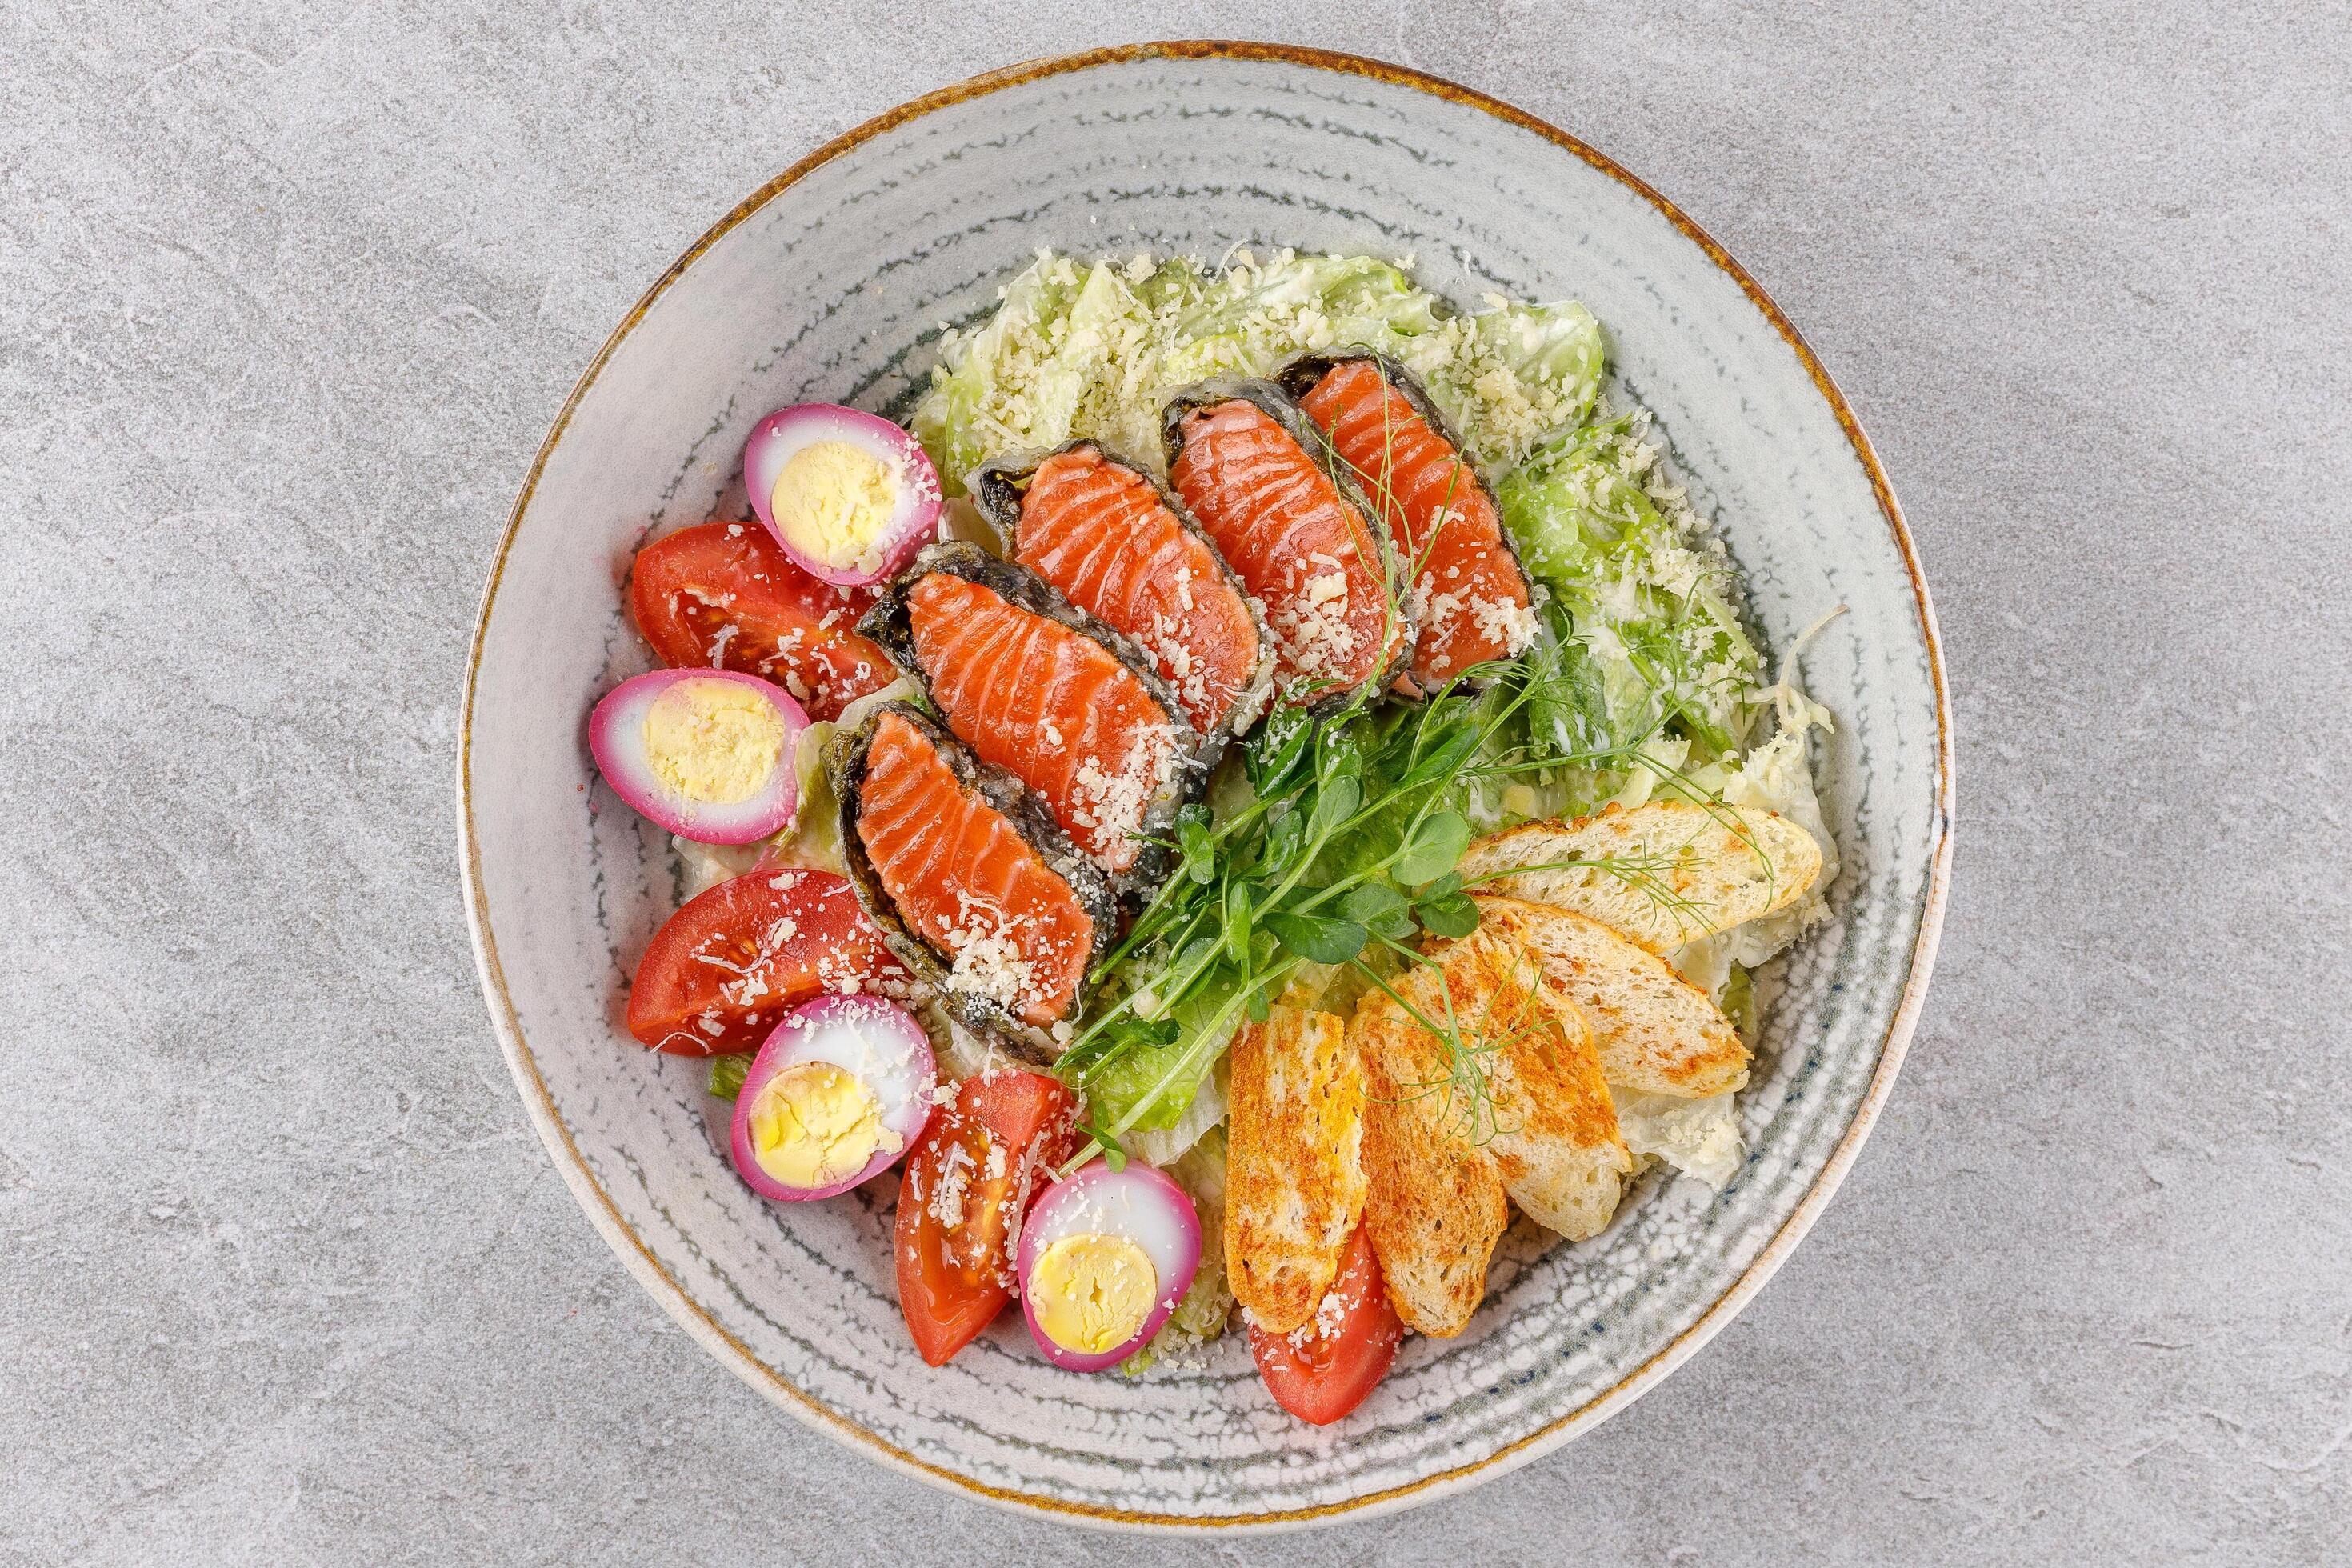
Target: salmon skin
[
  {"x": 973, "y": 884},
  {"x": 1101, "y": 529},
  {"x": 1470, "y": 598},
  {"x": 1039, "y": 688},
  {"x": 1286, "y": 514}
]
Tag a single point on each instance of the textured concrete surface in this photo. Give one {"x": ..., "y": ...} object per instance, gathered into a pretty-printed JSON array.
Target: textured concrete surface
[{"x": 288, "y": 295}]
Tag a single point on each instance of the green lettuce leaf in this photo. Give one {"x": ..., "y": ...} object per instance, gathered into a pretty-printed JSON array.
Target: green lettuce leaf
[
  {"x": 727, "y": 1073},
  {"x": 1639, "y": 629},
  {"x": 948, "y": 418},
  {"x": 1559, "y": 345}
]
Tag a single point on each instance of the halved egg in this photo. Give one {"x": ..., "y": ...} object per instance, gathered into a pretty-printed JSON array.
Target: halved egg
[
  {"x": 848, "y": 494},
  {"x": 840, "y": 1090},
  {"x": 708, "y": 753},
  {"x": 1104, "y": 1256}
]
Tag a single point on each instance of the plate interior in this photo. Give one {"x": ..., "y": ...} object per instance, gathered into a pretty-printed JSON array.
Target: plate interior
[{"x": 836, "y": 287}]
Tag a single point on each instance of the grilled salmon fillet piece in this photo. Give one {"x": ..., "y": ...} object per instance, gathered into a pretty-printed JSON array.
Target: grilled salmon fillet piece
[
  {"x": 1294, "y": 1176},
  {"x": 1049, "y": 705},
  {"x": 962, "y": 877},
  {"x": 1300, "y": 546},
  {"x": 1103, "y": 533},
  {"x": 1470, "y": 600}
]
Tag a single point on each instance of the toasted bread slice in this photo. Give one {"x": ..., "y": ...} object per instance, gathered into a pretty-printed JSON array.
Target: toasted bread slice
[
  {"x": 1555, "y": 1138},
  {"x": 1435, "y": 1205},
  {"x": 1294, "y": 1176},
  {"x": 1662, "y": 875},
  {"x": 1653, "y": 1030}
]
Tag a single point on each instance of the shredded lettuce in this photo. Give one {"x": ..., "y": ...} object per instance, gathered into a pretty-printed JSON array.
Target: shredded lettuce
[
  {"x": 979, "y": 400},
  {"x": 727, "y": 1073},
  {"x": 1698, "y": 1137},
  {"x": 1525, "y": 372},
  {"x": 1779, "y": 776},
  {"x": 1162, "y": 1146},
  {"x": 1095, "y": 352},
  {"x": 1137, "y": 1074},
  {"x": 1633, "y": 590}
]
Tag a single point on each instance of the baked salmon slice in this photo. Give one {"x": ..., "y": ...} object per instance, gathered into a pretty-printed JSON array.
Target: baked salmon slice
[
  {"x": 963, "y": 878},
  {"x": 1103, "y": 534},
  {"x": 1301, "y": 547},
  {"x": 1049, "y": 705},
  {"x": 1469, "y": 599}
]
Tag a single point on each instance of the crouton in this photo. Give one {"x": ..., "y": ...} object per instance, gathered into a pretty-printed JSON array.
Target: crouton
[
  {"x": 1554, "y": 1137},
  {"x": 1512, "y": 1106},
  {"x": 1653, "y": 1030},
  {"x": 1663, "y": 875},
  {"x": 1433, "y": 1204},
  {"x": 1294, "y": 1177}
]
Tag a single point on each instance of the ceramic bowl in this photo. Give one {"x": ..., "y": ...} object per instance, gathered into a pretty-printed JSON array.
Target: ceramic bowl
[{"x": 833, "y": 283}]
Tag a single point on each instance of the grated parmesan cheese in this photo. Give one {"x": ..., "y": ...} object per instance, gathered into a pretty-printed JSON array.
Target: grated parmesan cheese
[{"x": 1112, "y": 802}]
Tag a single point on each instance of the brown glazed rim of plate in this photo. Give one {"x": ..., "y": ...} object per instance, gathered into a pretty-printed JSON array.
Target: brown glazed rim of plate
[{"x": 681, "y": 1306}]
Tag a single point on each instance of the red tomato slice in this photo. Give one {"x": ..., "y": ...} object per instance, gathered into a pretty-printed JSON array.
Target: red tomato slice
[
  {"x": 726, "y": 595},
  {"x": 722, "y": 971},
  {"x": 967, "y": 1189},
  {"x": 1324, "y": 1370}
]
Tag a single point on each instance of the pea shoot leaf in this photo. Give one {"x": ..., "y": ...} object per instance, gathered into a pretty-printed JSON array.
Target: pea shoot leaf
[
  {"x": 1113, "y": 1155},
  {"x": 1283, "y": 837},
  {"x": 1435, "y": 849},
  {"x": 1379, "y": 908},
  {"x": 1333, "y": 804},
  {"x": 1237, "y": 922},
  {"x": 1122, "y": 1034},
  {"x": 1199, "y": 859},
  {"x": 1455, "y": 915},
  {"x": 1318, "y": 938},
  {"x": 1197, "y": 955},
  {"x": 1276, "y": 750},
  {"x": 1339, "y": 752}
]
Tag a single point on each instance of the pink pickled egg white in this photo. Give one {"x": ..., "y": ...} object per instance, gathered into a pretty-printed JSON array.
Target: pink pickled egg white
[
  {"x": 865, "y": 493},
  {"x": 706, "y": 753},
  {"x": 1136, "y": 1204},
  {"x": 841, "y": 1089}
]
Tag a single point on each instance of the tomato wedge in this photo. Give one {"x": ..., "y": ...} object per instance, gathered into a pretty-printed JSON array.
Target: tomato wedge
[
  {"x": 1325, "y": 1370},
  {"x": 967, "y": 1189},
  {"x": 728, "y": 964},
  {"x": 726, "y": 595}
]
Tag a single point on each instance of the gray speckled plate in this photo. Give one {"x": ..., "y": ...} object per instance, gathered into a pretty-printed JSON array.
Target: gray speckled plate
[{"x": 831, "y": 283}]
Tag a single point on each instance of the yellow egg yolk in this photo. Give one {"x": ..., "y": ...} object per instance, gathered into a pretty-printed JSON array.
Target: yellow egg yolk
[
  {"x": 713, "y": 741},
  {"x": 1092, "y": 1292},
  {"x": 833, "y": 500},
  {"x": 814, "y": 1125}
]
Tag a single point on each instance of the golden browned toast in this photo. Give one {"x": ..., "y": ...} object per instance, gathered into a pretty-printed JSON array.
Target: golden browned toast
[
  {"x": 1653, "y": 1030},
  {"x": 1555, "y": 1138},
  {"x": 1662, "y": 875},
  {"x": 1433, "y": 1204},
  {"x": 1294, "y": 1177}
]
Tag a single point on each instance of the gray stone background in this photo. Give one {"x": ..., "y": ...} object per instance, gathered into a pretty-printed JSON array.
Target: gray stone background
[{"x": 288, "y": 295}]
